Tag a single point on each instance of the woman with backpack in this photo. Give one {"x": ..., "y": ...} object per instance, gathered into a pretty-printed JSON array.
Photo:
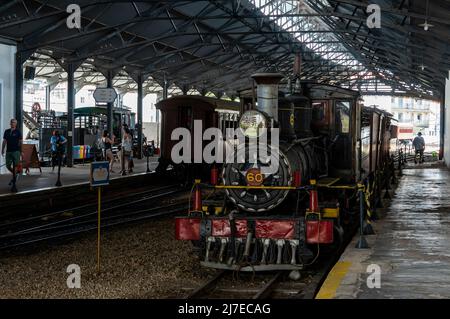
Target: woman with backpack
[{"x": 107, "y": 150}]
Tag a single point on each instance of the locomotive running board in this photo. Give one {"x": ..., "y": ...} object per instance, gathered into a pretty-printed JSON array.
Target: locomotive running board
[
  {"x": 272, "y": 267},
  {"x": 327, "y": 181}
]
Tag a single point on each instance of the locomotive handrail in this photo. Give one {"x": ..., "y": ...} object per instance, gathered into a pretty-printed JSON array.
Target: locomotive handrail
[
  {"x": 352, "y": 187},
  {"x": 257, "y": 187},
  {"x": 339, "y": 186}
]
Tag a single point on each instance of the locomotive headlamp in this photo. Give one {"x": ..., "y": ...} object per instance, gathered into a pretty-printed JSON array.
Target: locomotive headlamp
[{"x": 252, "y": 122}]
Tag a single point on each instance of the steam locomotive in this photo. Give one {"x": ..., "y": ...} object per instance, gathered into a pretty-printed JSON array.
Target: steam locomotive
[{"x": 255, "y": 216}]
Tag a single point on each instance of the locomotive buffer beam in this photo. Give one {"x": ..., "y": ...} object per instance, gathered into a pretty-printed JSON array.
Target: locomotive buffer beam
[{"x": 251, "y": 268}]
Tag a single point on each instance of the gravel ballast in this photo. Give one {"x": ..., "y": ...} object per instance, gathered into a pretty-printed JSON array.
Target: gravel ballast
[{"x": 139, "y": 261}]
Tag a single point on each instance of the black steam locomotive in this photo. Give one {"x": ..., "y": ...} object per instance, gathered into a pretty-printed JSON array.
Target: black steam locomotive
[{"x": 258, "y": 216}]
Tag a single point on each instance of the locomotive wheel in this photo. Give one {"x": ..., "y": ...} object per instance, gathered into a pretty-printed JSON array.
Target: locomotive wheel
[
  {"x": 338, "y": 243},
  {"x": 259, "y": 172}
]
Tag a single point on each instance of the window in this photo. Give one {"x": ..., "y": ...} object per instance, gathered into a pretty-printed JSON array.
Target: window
[
  {"x": 400, "y": 117},
  {"x": 83, "y": 100},
  {"x": 319, "y": 111},
  {"x": 343, "y": 116},
  {"x": 419, "y": 117},
  {"x": 185, "y": 117}
]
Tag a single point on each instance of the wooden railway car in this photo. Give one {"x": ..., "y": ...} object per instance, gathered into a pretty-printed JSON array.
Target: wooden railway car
[{"x": 181, "y": 112}]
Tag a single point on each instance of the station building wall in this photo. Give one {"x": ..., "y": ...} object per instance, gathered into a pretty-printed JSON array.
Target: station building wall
[
  {"x": 7, "y": 79},
  {"x": 447, "y": 122}
]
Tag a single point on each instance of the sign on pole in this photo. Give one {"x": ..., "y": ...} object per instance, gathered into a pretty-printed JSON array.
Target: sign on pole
[
  {"x": 105, "y": 95},
  {"x": 99, "y": 178},
  {"x": 99, "y": 174}
]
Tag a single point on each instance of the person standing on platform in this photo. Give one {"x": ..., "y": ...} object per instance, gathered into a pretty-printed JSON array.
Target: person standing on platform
[
  {"x": 152, "y": 148},
  {"x": 127, "y": 149},
  {"x": 12, "y": 144},
  {"x": 107, "y": 150},
  {"x": 58, "y": 145},
  {"x": 57, "y": 142},
  {"x": 121, "y": 152},
  {"x": 419, "y": 146}
]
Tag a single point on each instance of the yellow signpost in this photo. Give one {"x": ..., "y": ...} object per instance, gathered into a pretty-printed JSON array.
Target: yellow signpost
[
  {"x": 99, "y": 226},
  {"x": 99, "y": 178}
]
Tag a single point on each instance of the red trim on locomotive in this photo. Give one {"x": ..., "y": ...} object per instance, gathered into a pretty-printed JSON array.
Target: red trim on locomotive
[
  {"x": 221, "y": 228},
  {"x": 187, "y": 228},
  {"x": 275, "y": 229},
  {"x": 319, "y": 232}
]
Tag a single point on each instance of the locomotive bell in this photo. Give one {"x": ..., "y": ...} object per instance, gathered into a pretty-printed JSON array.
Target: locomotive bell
[{"x": 267, "y": 93}]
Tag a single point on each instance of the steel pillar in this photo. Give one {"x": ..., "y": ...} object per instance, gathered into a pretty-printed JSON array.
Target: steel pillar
[
  {"x": 140, "y": 102},
  {"x": 110, "y": 107},
  {"x": 47, "y": 97},
  {"x": 442, "y": 127},
  {"x": 165, "y": 89},
  {"x": 19, "y": 91},
  {"x": 70, "y": 110}
]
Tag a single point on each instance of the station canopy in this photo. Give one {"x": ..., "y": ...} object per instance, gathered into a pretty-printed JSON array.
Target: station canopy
[{"x": 214, "y": 46}]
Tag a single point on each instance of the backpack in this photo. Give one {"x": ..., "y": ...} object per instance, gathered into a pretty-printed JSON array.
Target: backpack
[
  {"x": 101, "y": 144},
  {"x": 60, "y": 148},
  {"x": 127, "y": 146}
]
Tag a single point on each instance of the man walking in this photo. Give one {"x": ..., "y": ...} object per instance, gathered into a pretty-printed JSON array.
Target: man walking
[
  {"x": 58, "y": 152},
  {"x": 419, "y": 146},
  {"x": 57, "y": 142},
  {"x": 12, "y": 143}
]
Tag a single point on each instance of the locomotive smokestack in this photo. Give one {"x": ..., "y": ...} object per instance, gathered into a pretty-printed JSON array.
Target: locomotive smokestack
[{"x": 267, "y": 93}]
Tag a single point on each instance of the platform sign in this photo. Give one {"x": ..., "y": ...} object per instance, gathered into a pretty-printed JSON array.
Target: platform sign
[
  {"x": 99, "y": 174},
  {"x": 105, "y": 95}
]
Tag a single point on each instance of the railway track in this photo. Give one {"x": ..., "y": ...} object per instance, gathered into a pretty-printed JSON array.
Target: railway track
[
  {"x": 226, "y": 284},
  {"x": 157, "y": 202},
  {"x": 232, "y": 285}
]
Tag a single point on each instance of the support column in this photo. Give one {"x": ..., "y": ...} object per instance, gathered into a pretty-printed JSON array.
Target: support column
[
  {"x": 110, "y": 107},
  {"x": 19, "y": 91},
  {"x": 47, "y": 97},
  {"x": 140, "y": 103},
  {"x": 165, "y": 88},
  {"x": 165, "y": 96},
  {"x": 442, "y": 127},
  {"x": 70, "y": 110}
]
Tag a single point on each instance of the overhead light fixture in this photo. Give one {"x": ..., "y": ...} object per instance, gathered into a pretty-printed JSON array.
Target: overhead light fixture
[
  {"x": 426, "y": 26},
  {"x": 422, "y": 67}
]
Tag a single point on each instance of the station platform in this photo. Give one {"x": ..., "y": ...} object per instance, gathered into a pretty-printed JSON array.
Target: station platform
[
  {"x": 36, "y": 181},
  {"x": 411, "y": 245}
]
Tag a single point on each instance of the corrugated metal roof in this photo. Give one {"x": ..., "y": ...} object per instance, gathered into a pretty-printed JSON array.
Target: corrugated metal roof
[{"x": 215, "y": 45}]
